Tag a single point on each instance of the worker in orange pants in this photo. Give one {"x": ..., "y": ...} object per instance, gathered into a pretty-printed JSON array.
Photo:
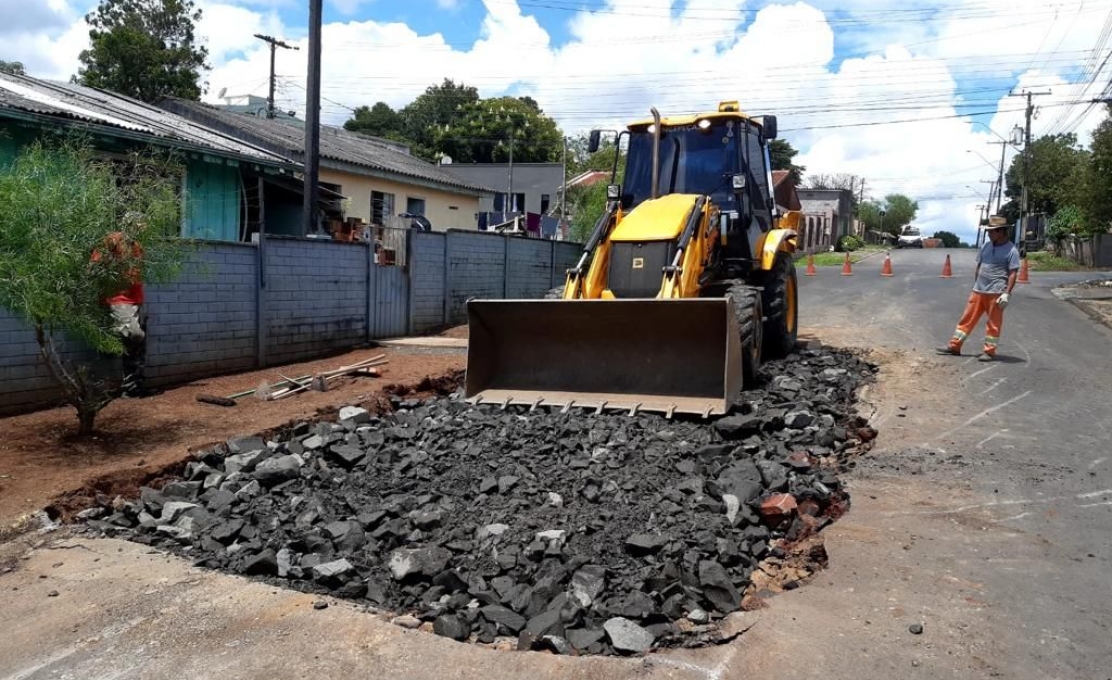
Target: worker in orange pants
[{"x": 997, "y": 268}]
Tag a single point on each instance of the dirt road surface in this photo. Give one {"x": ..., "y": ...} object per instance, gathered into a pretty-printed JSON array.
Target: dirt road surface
[
  {"x": 983, "y": 515},
  {"x": 40, "y": 457}
]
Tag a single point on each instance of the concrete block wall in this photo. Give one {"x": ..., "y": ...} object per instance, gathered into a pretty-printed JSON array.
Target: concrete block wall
[
  {"x": 476, "y": 269},
  {"x": 480, "y": 265},
  {"x": 427, "y": 279},
  {"x": 315, "y": 298},
  {"x": 530, "y": 268},
  {"x": 205, "y": 322},
  {"x": 24, "y": 377}
]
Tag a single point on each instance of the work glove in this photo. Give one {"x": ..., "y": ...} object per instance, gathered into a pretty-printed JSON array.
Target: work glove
[{"x": 1003, "y": 300}]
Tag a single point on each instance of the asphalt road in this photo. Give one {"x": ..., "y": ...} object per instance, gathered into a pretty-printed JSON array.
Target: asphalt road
[
  {"x": 984, "y": 514},
  {"x": 1025, "y": 441}
]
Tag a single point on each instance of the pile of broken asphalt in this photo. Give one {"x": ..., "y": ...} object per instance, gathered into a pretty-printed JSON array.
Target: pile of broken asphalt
[{"x": 577, "y": 533}]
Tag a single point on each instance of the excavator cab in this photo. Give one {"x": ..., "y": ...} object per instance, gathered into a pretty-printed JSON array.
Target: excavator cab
[{"x": 666, "y": 308}]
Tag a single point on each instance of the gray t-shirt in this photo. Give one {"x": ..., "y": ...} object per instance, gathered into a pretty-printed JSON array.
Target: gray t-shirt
[{"x": 997, "y": 262}]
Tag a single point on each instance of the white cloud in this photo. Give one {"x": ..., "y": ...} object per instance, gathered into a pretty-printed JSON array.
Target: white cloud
[{"x": 924, "y": 64}]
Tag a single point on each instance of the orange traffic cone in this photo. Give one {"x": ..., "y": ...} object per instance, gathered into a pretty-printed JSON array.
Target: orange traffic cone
[
  {"x": 886, "y": 270},
  {"x": 811, "y": 266},
  {"x": 847, "y": 268},
  {"x": 1024, "y": 274},
  {"x": 947, "y": 271}
]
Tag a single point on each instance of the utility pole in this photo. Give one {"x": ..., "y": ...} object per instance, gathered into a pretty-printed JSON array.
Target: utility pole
[
  {"x": 860, "y": 202},
  {"x": 1000, "y": 177},
  {"x": 510, "y": 193},
  {"x": 274, "y": 43},
  {"x": 1021, "y": 228},
  {"x": 312, "y": 122},
  {"x": 564, "y": 188},
  {"x": 993, "y": 186}
]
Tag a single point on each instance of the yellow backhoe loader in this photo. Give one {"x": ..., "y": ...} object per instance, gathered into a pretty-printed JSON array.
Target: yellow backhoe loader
[{"x": 687, "y": 279}]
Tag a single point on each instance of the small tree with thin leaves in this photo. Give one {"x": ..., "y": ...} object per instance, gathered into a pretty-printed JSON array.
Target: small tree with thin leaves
[{"x": 61, "y": 201}]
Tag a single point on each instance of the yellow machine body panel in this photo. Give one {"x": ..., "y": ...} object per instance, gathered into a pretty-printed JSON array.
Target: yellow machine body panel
[
  {"x": 658, "y": 219},
  {"x": 776, "y": 241}
]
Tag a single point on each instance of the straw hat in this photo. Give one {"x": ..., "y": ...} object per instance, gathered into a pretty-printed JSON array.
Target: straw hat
[{"x": 997, "y": 222}]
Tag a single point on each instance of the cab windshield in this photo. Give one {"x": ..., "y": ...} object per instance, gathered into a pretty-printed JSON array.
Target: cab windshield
[{"x": 692, "y": 161}]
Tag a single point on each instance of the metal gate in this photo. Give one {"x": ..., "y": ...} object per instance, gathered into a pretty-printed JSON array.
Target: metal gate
[{"x": 389, "y": 312}]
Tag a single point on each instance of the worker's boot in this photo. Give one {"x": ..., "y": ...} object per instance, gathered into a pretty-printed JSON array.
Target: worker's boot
[{"x": 948, "y": 351}]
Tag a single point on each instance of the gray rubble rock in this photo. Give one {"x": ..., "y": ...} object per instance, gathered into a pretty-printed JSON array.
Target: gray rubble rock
[
  {"x": 425, "y": 563},
  {"x": 356, "y": 414},
  {"x": 331, "y": 570},
  {"x": 627, "y": 636},
  {"x": 274, "y": 471}
]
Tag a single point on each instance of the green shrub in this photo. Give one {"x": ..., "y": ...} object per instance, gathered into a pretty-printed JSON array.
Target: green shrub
[{"x": 850, "y": 243}]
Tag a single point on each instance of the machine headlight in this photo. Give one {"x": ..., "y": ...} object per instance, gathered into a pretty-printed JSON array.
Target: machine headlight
[{"x": 614, "y": 192}]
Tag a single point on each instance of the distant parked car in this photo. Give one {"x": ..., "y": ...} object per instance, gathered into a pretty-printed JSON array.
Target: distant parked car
[{"x": 909, "y": 238}]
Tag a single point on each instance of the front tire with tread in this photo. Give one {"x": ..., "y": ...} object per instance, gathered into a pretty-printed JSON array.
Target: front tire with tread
[
  {"x": 748, "y": 310},
  {"x": 781, "y": 304}
]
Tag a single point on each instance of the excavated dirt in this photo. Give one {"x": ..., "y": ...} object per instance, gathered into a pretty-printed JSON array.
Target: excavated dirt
[{"x": 575, "y": 533}]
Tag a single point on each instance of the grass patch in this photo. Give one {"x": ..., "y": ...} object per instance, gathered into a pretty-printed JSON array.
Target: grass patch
[
  {"x": 838, "y": 259},
  {"x": 1050, "y": 262}
]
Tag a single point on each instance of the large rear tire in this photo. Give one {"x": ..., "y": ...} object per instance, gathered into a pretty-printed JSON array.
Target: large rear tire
[
  {"x": 781, "y": 304},
  {"x": 747, "y": 304}
]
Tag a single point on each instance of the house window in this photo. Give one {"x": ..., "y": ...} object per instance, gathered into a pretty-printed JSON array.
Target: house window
[
  {"x": 382, "y": 208},
  {"x": 415, "y": 206},
  {"x": 517, "y": 205},
  {"x": 545, "y": 202}
]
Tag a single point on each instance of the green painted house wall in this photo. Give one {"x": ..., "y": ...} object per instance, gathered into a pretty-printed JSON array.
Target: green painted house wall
[
  {"x": 213, "y": 207},
  {"x": 212, "y": 187}
]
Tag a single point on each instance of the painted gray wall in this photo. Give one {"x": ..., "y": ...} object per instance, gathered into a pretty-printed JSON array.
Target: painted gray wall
[
  {"x": 481, "y": 265},
  {"x": 531, "y": 179},
  {"x": 236, "y": 307}
]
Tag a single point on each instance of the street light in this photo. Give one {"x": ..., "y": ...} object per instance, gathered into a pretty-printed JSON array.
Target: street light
[{"x": 992, "y": 165}]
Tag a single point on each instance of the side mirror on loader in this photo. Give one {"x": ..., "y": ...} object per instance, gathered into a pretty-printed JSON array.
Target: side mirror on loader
[
  {"x": 768, "y": 126},
  {"x": 595, "y": 141}
]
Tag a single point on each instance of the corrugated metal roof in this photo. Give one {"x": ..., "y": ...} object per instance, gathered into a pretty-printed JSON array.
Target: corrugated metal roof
[
  {"x": 90, "y": 105},
  {"x": 335, "y": 143}
]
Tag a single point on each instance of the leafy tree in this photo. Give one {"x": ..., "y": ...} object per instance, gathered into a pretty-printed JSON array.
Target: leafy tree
[
  {"x": 580, "y": 161},
  {"x": 1094, "y": 189},
  {"x": 440, "y": 105},
  {"x": 1066, "y": 222},
  {"x": 586, "y": 205},
  {"x": 379, "y": 120},
  {"x": 144, "y": 49},
  {"x": 1053, "y": 159},
  {"x": 781, "y": 153},
  {"x": 13, "y": 67},
  {"x": 898, "y": 209},
  {"x": 949, "y": 239},
  {"x": 482, "y": 133},
  {"x": 60, "y": 204}
]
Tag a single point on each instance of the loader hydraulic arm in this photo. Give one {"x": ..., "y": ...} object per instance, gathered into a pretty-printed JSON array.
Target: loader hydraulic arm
[{"x": 573, "y": 286}]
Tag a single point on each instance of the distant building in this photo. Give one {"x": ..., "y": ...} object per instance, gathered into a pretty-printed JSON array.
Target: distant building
[
  {"x": 535, "y": 186},
  {"x": 224, "y": 176},
  {"x": 374, "y": 180},
  {"x": 827, "y": 213}
]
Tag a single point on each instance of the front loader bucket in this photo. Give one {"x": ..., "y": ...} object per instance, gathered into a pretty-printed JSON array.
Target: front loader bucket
[{"x": 670, "y": 356}]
